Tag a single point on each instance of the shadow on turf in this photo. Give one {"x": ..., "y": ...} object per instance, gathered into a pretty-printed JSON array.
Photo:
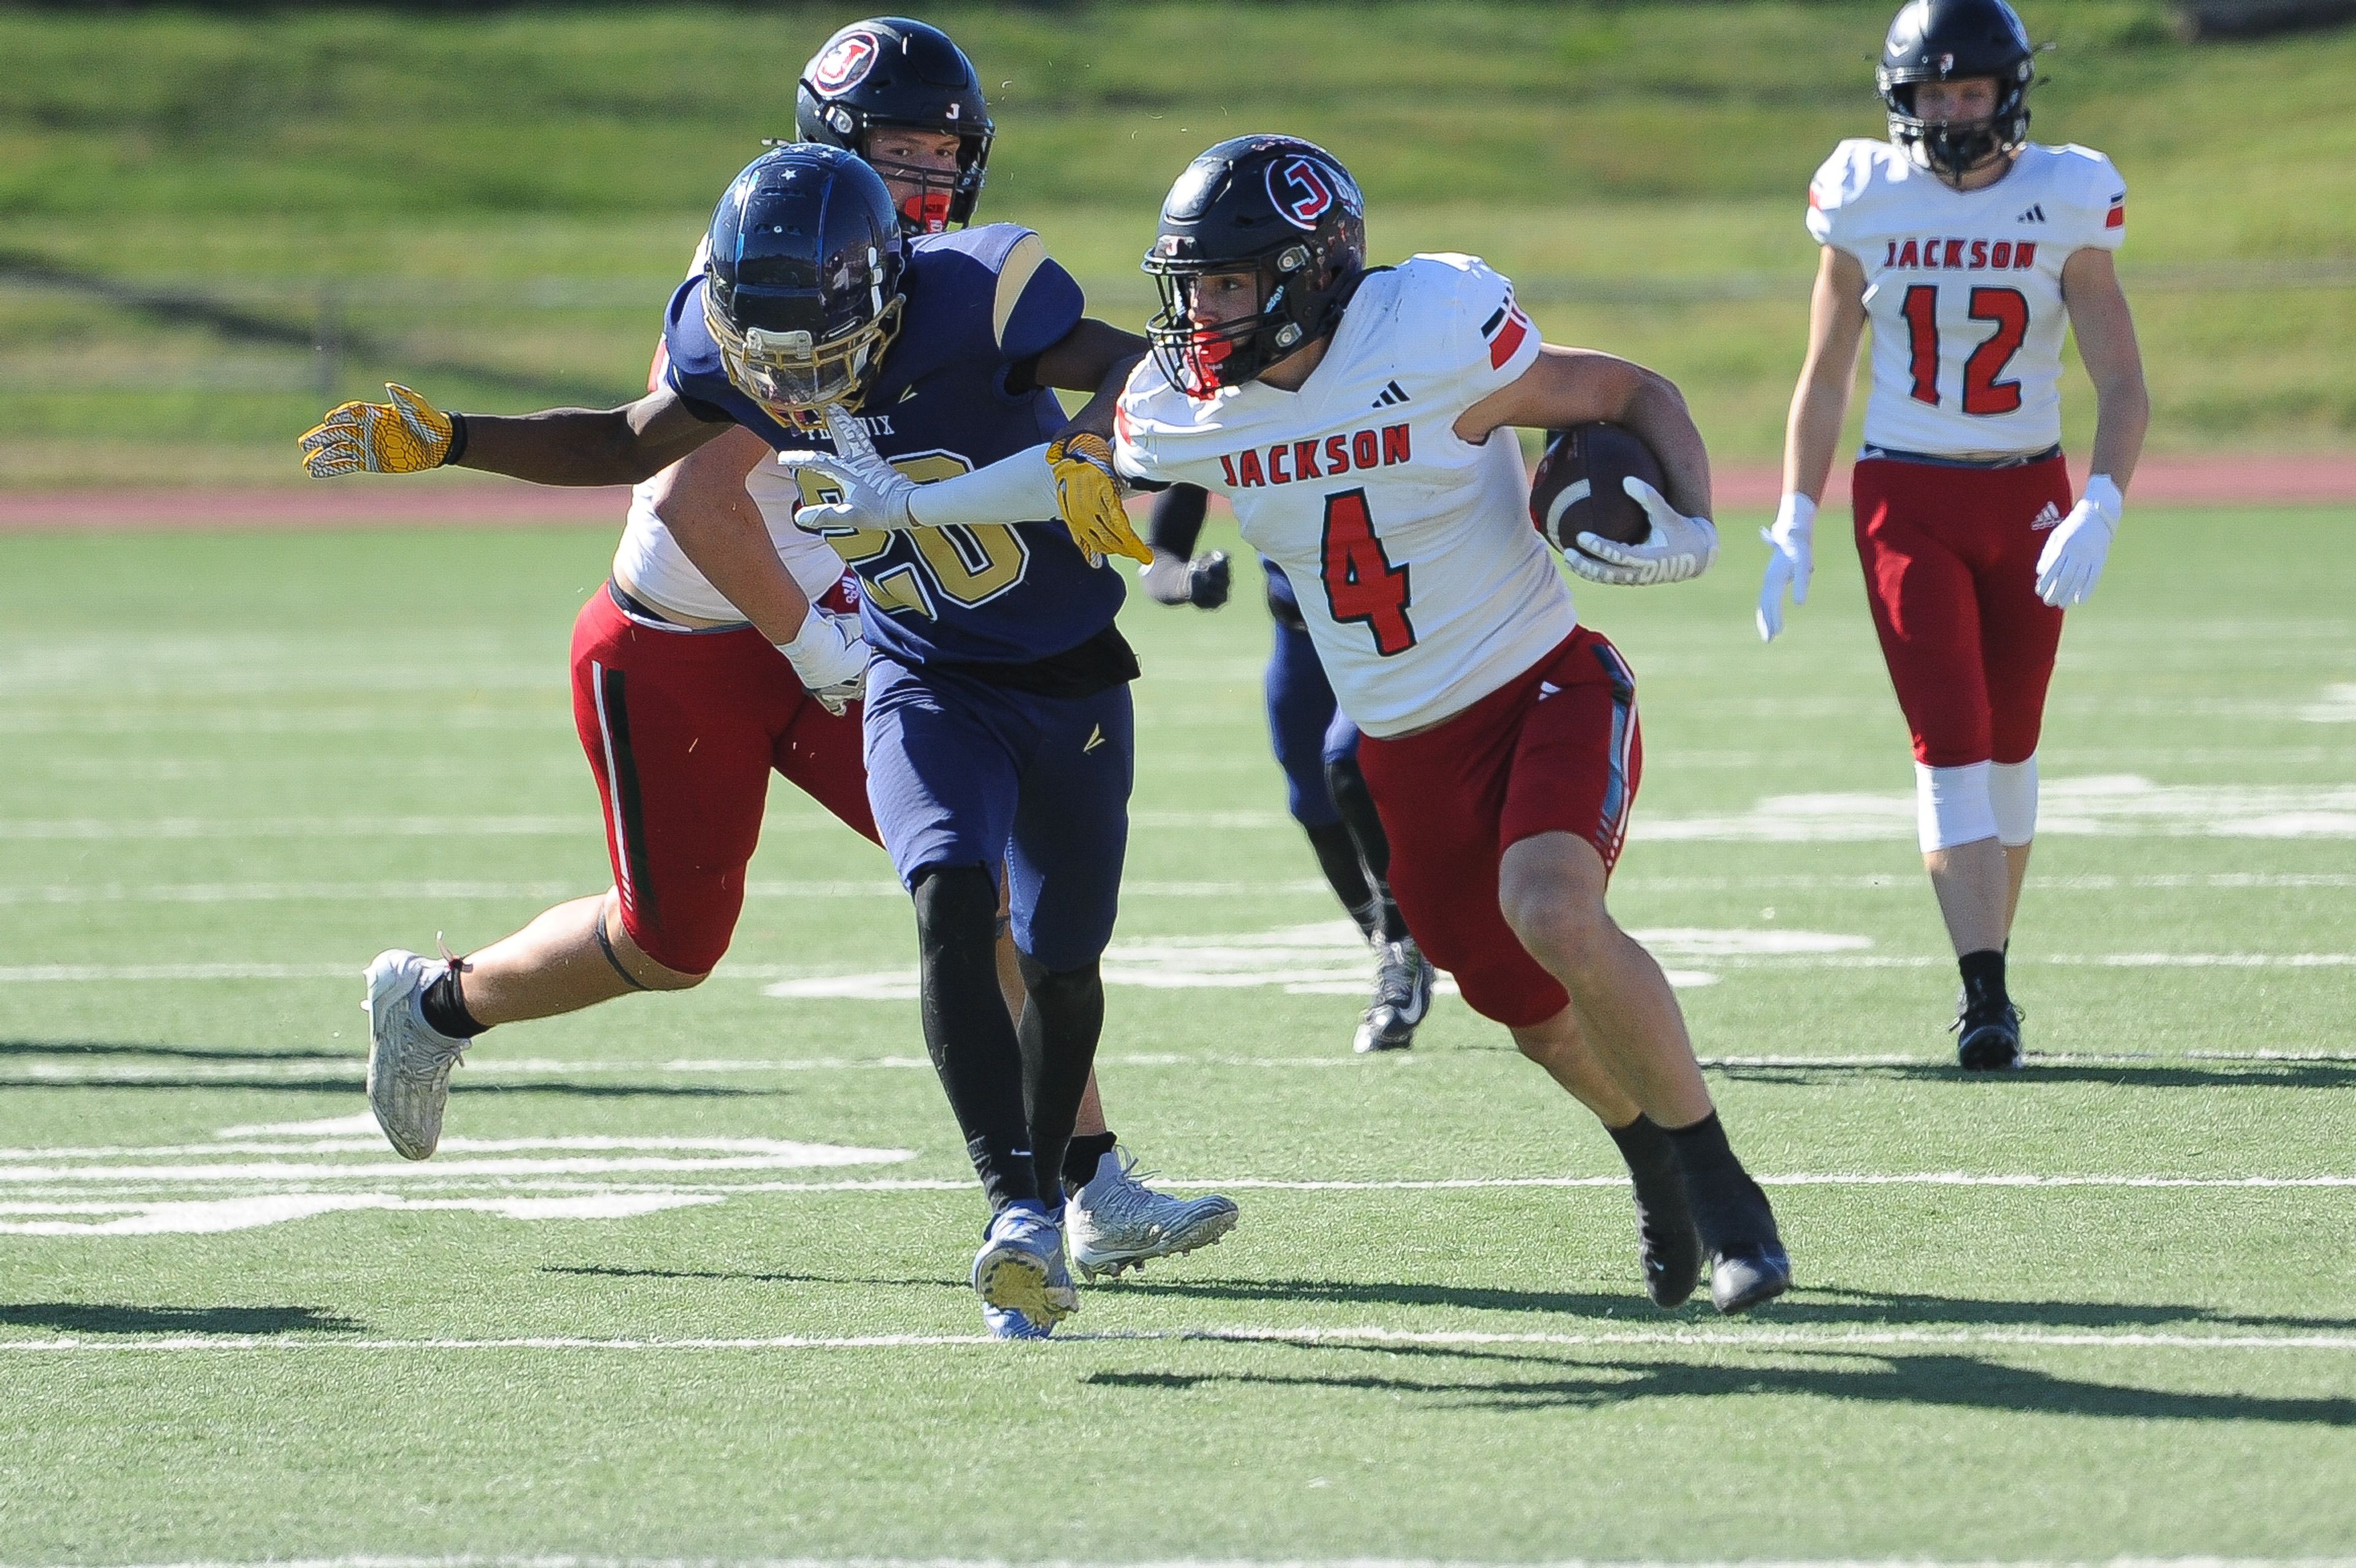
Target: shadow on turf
[
  {"x": 106, "y": 1317},
  {"x": 173, "y": 1052},
  {"x": 1943, "y": 1380},
  {"x": 1853, "y": 1308},
  {"x": 610, "y": 1271},
  {"x": 2062, "y": 1070}
]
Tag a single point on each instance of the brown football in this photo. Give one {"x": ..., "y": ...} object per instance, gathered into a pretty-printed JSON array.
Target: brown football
[{"x": 1576, "y": 488}]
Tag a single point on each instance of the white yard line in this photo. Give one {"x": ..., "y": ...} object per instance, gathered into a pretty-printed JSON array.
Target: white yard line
[
  {"x": 665, "y": 1174},
  {"x": 468, "y": 892},
  {"x": 1761, "y": 1337},
  {"x": 483, "y": 1560}
]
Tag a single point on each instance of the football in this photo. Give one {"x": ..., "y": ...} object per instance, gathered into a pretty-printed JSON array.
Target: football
[{"x": 1577, "y": 487}]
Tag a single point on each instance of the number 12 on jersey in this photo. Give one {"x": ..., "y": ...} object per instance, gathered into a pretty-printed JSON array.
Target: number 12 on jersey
[
  {"x": 1361, "y": 586},
  {"x": 1983, "y": 392}
]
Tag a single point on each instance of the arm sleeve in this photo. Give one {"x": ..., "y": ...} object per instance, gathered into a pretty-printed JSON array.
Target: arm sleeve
[
  {"x": 1037, "y": 303},
  {"x": 1177, "y": 522},
  {"x": 1493, "y": 341},
  {"x": 1017, "y": 489}
]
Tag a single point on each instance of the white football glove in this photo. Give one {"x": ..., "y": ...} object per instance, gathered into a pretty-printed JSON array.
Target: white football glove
[
  {"x": 1791, "y": 561},
  {"x": 830, "y": 658},
  {"x": 1677, "y": 548},
  {"x": 871, "y": 493},
  {"x": 2073, "y": 560}
]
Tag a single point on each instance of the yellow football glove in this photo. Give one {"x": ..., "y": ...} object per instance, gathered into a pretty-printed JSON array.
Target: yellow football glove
[
  {"x": 1089, "y": 498},
  {"x": 400, "y": 437}
]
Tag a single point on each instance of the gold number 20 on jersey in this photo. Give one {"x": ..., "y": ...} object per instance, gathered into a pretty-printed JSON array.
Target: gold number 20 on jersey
[{"x": 966, "y": 564}]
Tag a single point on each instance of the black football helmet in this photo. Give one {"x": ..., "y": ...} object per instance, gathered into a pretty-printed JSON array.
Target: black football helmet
[
  {"x": 801, "y": 280},
  {"x": 891, "y": 71},
  {"x": 1278, "y": 206},
  {"x": 1951, "y": 41}
]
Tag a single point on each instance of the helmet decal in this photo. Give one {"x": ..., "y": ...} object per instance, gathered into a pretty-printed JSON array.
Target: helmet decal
[
  {"x": 1303, "y": 190},
  {"x": 845, "y": 63}
]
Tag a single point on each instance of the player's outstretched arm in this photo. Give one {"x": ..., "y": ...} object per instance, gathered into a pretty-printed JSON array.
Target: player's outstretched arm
[
  {"x": 2071, "y": 562},
  {"x": 1811, "y": 431},
  {"x": 1071, "y": 477},
  {"x": 555, "y": 446}
]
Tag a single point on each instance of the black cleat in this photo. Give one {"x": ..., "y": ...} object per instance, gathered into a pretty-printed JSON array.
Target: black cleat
[
  {"x": 1667, "y": 1242},
  {"x": 1746, "y": 1274},
  {"x": 1988, "y": 1038}
]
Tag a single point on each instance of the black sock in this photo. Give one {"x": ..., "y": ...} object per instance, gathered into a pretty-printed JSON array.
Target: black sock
[
  {"x": 1082, "y": 1156},
  {"x": 1643, "y": 1145},
  {"x": 1727, "y": 1206},
  {"x": 1060, "y": 1026},
  {"x": 971, "y": 1041},
  {"x": 1983, "y": 980},
  {"x": 444, "y": 1007},
  {"x": 1356, "y": 802},
  {"x": 1337, "y": 856}
]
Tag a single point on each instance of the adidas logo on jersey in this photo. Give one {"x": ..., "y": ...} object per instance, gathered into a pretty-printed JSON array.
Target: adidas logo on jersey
[
  {"x": 2036, "y": 214},
  {"x": 1392, "y": 393},
  {"x": 2046, "y": 518}
]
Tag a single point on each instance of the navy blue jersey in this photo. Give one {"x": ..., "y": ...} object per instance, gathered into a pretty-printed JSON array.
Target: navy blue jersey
[{"x": 979, "y": 302}]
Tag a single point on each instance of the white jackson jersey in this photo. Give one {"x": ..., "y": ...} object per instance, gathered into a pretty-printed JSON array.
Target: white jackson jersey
[
  {"x": 1964, "y": 289},
  {"x": 1422, "y": 582}
]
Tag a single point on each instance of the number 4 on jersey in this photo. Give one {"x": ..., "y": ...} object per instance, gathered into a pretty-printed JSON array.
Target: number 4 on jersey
[{"x": 1361, "y": 586}]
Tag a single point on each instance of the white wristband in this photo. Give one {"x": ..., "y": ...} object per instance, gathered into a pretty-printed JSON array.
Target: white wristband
[{"x": 1017, "y": 489}]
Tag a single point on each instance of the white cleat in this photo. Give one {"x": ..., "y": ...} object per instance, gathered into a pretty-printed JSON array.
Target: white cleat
[
  {"x": 1115, "y": 1222},
  {"x": 409, "y": 1064}
]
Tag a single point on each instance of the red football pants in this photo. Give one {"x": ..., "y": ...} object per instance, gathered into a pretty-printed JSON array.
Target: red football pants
[
  {"x": 1556, "y": 750},
  {"x": 682, "y": 729},
  {"x": 1950, "y": 558}
]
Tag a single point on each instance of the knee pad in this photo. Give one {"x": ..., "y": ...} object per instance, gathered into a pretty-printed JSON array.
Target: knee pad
[
  {"x": 2012, "y": 793},
  {"x": 1952, "y": 806}
]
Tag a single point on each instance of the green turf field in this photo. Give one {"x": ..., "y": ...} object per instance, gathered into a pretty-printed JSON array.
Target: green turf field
[
  {"x": 687, "y": 1278},
  {"x": 217, "y": 226}
]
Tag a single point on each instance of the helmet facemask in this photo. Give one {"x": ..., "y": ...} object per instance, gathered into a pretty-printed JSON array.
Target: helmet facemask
[
  {"x": 1301, "y": 289},
  {"x": 791, "y": 374},
  {"x": 935, "y": 198},
  {"x": 1953, "y": 148}
]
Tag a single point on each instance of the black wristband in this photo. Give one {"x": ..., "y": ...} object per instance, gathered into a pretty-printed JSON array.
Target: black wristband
[{"x": 457, "y": 441}]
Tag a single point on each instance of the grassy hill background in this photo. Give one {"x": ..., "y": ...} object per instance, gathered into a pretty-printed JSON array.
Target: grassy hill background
[{"x": 210, "y": 227}]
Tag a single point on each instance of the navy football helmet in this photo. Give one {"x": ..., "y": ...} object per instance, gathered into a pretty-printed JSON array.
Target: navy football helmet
[
  {"x": 801, "y": 280},
  {"x": 1276, "y": 205},
  {"x": 889, "y": 72},
  {"x": 1952, "y": 40}
]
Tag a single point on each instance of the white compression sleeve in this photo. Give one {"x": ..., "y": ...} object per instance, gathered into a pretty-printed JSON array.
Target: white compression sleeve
[
  {"x": 1952, "y": 806},
  {"x": 2012, "y": 795},
  {"x": 1017, "y": 489}
]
